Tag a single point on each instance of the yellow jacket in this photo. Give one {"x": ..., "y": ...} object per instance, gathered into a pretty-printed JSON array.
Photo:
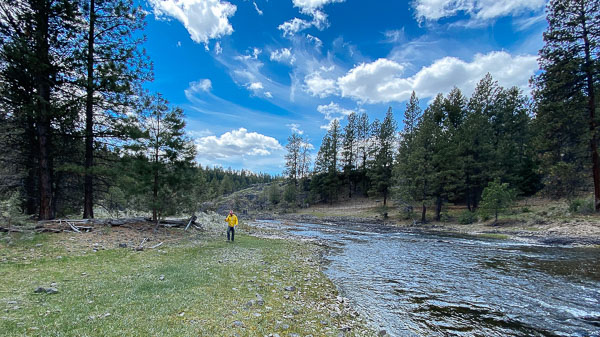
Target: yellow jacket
[{"x": 232, "y": 220}]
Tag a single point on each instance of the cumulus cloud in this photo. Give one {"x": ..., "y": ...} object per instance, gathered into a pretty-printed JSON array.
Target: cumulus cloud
[
  {"x": 218, "y": 49},
  {"x": 255, "y": 86},
  {"x": 204, "y": 19},
  {"x": 198, "y": 86},
  {"x": 283, "y": 55},
  {"x": 316, "y": 85},
  {"x": 235, "y": 144},
  {"x": 383, "y": 80},
  {"x": 480, "y": 10}
]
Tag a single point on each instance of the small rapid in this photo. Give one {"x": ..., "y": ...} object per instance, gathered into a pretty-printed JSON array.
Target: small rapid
[{"x": 421, "y": 284}]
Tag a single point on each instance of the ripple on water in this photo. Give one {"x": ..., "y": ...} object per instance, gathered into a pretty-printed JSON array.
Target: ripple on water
[{"x": 428, "y": 285}]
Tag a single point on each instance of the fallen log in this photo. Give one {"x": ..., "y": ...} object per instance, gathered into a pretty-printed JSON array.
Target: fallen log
[
  {"x": 141, "y": 246},
  {"x": 156, "y": 246},
  {"x": 192, "y": 221},
  {"x": 73, "y": 227}
]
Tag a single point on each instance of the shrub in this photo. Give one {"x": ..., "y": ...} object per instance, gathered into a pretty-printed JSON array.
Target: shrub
[
  {"x": 466, "y": 217},
  {"x": 582, "y": 206}
]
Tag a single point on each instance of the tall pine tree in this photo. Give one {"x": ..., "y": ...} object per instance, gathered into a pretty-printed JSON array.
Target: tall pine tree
[{"x": 566, "y": 90}]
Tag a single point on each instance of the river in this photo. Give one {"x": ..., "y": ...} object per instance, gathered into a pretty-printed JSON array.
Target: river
[{"x": 421, "y": 284}]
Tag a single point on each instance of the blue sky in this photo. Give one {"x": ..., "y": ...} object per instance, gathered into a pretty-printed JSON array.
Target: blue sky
[{"x": 249, "y": 73}]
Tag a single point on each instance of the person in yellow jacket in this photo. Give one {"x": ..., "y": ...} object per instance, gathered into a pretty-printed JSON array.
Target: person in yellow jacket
[{"x": 232, "y": 220}]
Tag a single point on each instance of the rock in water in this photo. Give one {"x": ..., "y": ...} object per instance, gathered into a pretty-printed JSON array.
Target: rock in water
[
  {"x": 39, "y": 290},
  {"x": 51, "y": 291}
]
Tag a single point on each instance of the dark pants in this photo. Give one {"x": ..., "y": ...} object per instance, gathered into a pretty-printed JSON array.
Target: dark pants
[{"x": 232, "y": 230}]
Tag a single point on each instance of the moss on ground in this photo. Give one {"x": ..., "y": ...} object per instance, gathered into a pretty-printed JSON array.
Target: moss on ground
[{"x": 197, "y": 287}]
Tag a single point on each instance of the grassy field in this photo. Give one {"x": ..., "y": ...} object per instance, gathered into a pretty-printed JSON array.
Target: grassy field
[{"x": 197, "y": 286}]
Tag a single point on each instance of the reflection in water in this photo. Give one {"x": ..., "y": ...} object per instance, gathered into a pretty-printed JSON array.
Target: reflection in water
[{"x": 420, "y": 284}]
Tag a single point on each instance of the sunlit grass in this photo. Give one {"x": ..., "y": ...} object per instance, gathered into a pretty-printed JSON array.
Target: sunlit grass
[{"x": 196, "y": 289}]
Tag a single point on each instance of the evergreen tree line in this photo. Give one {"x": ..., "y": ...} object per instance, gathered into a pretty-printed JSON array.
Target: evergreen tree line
[
  {"x": 447, "y": 153},
  {"x": 458, "y": 145},
  {"x": 77, "y": 130}
]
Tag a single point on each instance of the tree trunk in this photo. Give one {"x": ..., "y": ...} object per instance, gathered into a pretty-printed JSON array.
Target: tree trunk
[
  {"x": 45, "y": 175},
  {"x": 592, "y": 121},
  {"x": 423, "y": 211},
  {"x": 88, "y": 199},
  {"x": 156, "y": 169},
  {"x": 438, "y": 208},
  {"x": 43, "y": 113}
]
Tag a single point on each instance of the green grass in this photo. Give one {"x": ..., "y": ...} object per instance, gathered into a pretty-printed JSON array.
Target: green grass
[
  {"x": 495, "y": 236},
  {"x": 207, "y": 286}
]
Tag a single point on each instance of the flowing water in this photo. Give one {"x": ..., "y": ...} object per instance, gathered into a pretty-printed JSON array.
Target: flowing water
[{"x": 432, "y": 285}]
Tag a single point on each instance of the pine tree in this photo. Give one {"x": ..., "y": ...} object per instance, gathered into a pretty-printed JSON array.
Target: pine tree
[
  {"x": 381, "y": 171},
  {"x": 293, "y": 158},
  {"x": 349, "y": 149},
  {"x": 113, "y": 67},
  {"x": 408, "y": 173},
  {"x": 37, "y": 61},
  {"x": 569, "y": 82},
  {"x": 169, "y": 153}
]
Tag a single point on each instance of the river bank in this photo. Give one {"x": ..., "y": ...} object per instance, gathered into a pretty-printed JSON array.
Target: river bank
[
  {"x": 572, "y": 232},
  {"x": 195, "y": 283}
]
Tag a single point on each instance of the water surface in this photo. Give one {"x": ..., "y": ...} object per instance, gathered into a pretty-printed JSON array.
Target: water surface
[{"x": 430, "y": 285}]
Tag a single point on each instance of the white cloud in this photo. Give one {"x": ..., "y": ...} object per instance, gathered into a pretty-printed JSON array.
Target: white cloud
[
  {"x": 316, "y": 85},
  {"x": 198, "y": 86},
  {"x": 308, "y": 6},
  {"x": 268, "y": 94},
  {"x": 218, "y": 49},
  {"x": 315, "y": 40},
  {"x": 283, "y": 55},
  {"x": 479, "y": 10},
  {"x": 383, "y": 81},
  {"x": 332, "y": 111},
  {"x": 235, "y": 144},
  {"x": 319, "y": 19},
  {"x": 178, "y": 43},
  {"x": 252, "y": 55},
  {"x": 255, "y": 86},
  {"x": 204, "y": 19},
  {"x": 394, "y": 36},
  {"x": 293, "y": 26},
  {"x": 295, "y": 128},
  {"x": 372, "y": 82},
  {"x": 257, "y": 9}
]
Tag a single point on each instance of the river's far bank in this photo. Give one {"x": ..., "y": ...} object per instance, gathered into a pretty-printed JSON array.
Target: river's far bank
[{"x": 564, "y": 232}]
